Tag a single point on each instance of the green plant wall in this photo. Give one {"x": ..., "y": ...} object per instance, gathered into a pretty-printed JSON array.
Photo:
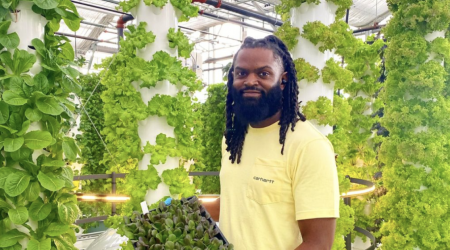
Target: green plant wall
[
  {"x": 92, "y": 147},
  {"x": 36, "y": 209},
  {"x": 351, "y": 113},
  {"x": 211, "y": 134},
  {"x": 124, "y": 107},
  {"x": 416, "y": 172}
]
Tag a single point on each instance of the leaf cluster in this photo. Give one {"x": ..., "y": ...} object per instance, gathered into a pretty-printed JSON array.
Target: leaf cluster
[
  {"x": 213, "y": 119},
  {"x": 306, "y": 71},
  {"x": 123, "y": 108},
  {"x": 178, "y": 181},
  {"x": 333, "y": 72},
  {"x": 187, "y": 9},
  {"x": 416, "y": 105},
  {"x": 179, "y": 40},
  {"x": 184, "y": 224},
  {"x": 36, "y": 113},
  {"x": 288, "y": 34}
]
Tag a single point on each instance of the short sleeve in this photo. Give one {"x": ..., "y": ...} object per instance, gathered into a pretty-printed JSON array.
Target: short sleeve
[{"x": 315, "y": 185}]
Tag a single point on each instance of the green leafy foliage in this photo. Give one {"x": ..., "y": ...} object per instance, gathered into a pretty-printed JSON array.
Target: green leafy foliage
[
  {"x": 178, "y": 181},
  {"x": 333, "y": 72},
  {"x": 123, "y": 108},
  {"x": 336, "y": 36},
  {"x": 180, "y": 114},
  {"x": 91, "y": 146},
  {"x": 35, "y": 114},
  {"x": 286, "y": 5},
  {"x": 179, "y": 40},
  {"x": 139, "y": 181},
  {"x": 184, "y": 6},
  {"x": 353, "y": 115},
  {"x": 415, "y": 153},
  {"x": 213, "y": 119},
  {"x": 288, "y": 34},
  {"x": 137, "y": 38},
  {"x": 185, "y": 224},
  {"x": 55, "y": 11},
  {"x": 187, "y": 9},
  {"x": 306, "y": 71}
]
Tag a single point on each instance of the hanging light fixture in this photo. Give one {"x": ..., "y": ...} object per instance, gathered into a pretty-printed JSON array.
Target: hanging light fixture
[{"x": 102, "y": 197}]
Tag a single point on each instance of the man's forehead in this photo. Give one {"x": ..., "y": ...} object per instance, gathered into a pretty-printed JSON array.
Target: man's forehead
[{"x": 256, "y": 55}]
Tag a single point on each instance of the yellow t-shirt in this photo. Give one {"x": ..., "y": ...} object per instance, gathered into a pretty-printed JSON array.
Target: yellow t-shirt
[{"x": 263, "y": 197}]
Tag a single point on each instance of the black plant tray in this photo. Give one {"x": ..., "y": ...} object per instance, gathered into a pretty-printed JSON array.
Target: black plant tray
[
  {"x": 203, "y": 212},
  {"x": 220, "y": 235}
]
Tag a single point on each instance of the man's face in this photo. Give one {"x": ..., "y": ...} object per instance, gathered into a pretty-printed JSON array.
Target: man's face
[{"x": 257, "y": 88}]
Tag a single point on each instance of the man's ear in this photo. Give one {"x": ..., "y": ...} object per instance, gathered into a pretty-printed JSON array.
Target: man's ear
[{"x": 284, "y": 80}]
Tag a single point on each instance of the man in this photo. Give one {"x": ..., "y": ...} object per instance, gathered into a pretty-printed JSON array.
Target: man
[{"x": 279, "y": 186}]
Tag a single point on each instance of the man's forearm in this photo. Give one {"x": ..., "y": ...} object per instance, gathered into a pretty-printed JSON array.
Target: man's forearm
[
  {"x": 312, "y": 246},
  {"x": 213, "y": 209}
]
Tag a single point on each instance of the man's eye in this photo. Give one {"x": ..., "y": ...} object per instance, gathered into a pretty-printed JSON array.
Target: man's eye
[
  {"x": 240, "y": 73},
  {"x": 264, "y": 73}
]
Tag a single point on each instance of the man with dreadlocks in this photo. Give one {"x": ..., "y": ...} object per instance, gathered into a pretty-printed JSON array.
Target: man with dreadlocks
[{"x": 279, "y": 186}]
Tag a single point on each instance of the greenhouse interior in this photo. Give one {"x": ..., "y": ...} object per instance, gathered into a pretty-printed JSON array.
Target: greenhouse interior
[{"x": 113, "y": 116}]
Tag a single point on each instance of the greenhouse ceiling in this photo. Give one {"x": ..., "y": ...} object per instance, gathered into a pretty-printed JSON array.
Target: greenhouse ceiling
[{"x": 97, "y": 34}]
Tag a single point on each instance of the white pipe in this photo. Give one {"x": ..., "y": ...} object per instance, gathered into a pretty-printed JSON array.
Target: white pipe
[
  {"x": 159, "y": 21},
  {"x": 325, "y": 13}
]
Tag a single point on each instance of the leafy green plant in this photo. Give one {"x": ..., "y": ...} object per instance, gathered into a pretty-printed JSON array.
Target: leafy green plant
[
  {"x": 92, "y": 148},
  {"x": 123, "y": 108},
  {"x": 306, "y": 71},
  {"x": 186, "y": 8},
  {"x": 184, "y": 224},
  {"x": 320, "y": 110},
  {"x": 53, "y": 10},
  {"x": 286, "y": 5},
  {"x": 333, "y": 72},
  {"x": 213, "y": 119},
  {"x": 179, "y": 40},
  {"x": 288, "y": 34},
  {"x": 36, "y": 113},
  {"x": 350, "y": 116},
  {"x": 415, "y": 153}
]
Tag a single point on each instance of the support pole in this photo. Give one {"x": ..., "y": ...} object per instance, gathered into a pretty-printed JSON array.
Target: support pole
[
  {"x": 159, "y": 21},
  {"x": 348, "y": 237},
  {"x": 325, "y": 13},
  {"x": 113, "y": 183}
]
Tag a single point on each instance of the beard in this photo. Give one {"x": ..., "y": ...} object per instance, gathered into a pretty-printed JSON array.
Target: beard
[{"x": 256, "y": 109}]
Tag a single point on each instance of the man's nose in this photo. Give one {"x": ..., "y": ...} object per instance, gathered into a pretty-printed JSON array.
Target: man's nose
[{"x": 251, "y": 80}]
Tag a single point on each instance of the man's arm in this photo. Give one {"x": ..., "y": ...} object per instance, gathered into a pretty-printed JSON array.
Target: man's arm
[
  {"x": 317, "y": 234},
  {"x": 213, "y": 209}
]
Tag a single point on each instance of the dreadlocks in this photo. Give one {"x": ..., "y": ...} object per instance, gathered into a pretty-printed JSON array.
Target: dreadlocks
[{"x": 236, "y": 130}]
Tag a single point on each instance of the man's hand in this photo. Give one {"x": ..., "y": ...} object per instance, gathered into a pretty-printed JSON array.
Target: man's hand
[
  {"x": 213, "y": 209},
  {"x": 317, "y": 234}
]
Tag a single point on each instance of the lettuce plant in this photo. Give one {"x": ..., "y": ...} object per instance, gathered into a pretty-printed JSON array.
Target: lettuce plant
[
  {"x": 184, "y": 224},
  {"x": 36, "y": 114}
]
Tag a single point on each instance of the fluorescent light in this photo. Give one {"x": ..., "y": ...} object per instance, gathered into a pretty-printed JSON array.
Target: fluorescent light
[
  {"x": 208, "y": 197},
  {"x": 116, "y": 198},
  {"x": 102, "y": 198},
  {"x": 88, "y": 197},
  {"x": 352, "y": 193}
]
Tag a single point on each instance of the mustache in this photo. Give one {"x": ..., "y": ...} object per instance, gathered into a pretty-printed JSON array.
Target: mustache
[{"x": 252, "y": 89}]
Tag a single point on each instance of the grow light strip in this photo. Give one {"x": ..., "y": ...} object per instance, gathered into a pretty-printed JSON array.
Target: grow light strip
[
  {"x": 104, "y": 198},
  {"x": 358, "y": 192},
  {"x": 208, "y": 198}
]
